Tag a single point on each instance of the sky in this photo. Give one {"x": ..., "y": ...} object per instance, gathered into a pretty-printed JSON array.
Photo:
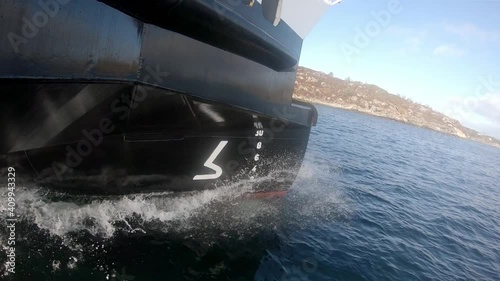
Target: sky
[{"x": 441, "y": 53}]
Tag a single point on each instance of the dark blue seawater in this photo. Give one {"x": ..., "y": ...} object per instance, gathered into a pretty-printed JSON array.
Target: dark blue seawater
[
  {"x": 423, "y": 205},
  {"x": 375, "y": 200}
]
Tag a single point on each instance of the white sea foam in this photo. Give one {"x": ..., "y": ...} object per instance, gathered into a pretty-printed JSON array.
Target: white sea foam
[
  {"x": 99, "y": 216},
  {"x": 104, "y": 216},
  {"x": 65, "y": 222}
]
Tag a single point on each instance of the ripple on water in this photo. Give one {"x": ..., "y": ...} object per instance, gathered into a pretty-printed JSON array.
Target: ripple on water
[{"x": 375, "y": 200}]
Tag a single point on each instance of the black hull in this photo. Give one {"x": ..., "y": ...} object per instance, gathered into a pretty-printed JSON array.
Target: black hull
[{"x": 101, "y": 101}]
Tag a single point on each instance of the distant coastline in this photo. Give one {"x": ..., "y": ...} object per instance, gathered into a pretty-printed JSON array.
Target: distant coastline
[{"x": 321, "y": 88}]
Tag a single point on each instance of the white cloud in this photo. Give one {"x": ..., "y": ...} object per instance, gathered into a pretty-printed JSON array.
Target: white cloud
[
  {"x": 471, "y": 31},
  {"x": 332, "y": 2},
  {"x": 412, "y": 39},
  {"x": 410, "y": 46},
  {"x": 478, "y": 112},
  {"x": 448, "y": 50}
]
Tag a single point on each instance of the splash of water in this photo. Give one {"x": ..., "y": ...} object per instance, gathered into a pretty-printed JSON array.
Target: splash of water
[
  {"x": 309, "y": 196},
  {"x": 85, "y": 227},
  {"x": 99, "y": 216}
]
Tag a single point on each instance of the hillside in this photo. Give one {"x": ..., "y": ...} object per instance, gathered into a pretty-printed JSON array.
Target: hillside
[{"x": 318, "y": 87}]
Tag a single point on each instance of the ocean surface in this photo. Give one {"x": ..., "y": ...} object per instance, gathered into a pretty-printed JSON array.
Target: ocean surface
[{"x": 375, "y": 200}]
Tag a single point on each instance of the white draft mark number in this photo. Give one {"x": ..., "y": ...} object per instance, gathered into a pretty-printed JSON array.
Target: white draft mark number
[{"x": 210, "y": 164}]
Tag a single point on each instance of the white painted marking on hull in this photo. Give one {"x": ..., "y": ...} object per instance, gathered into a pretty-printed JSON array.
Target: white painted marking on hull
[{"x": 210, "y": 164}]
